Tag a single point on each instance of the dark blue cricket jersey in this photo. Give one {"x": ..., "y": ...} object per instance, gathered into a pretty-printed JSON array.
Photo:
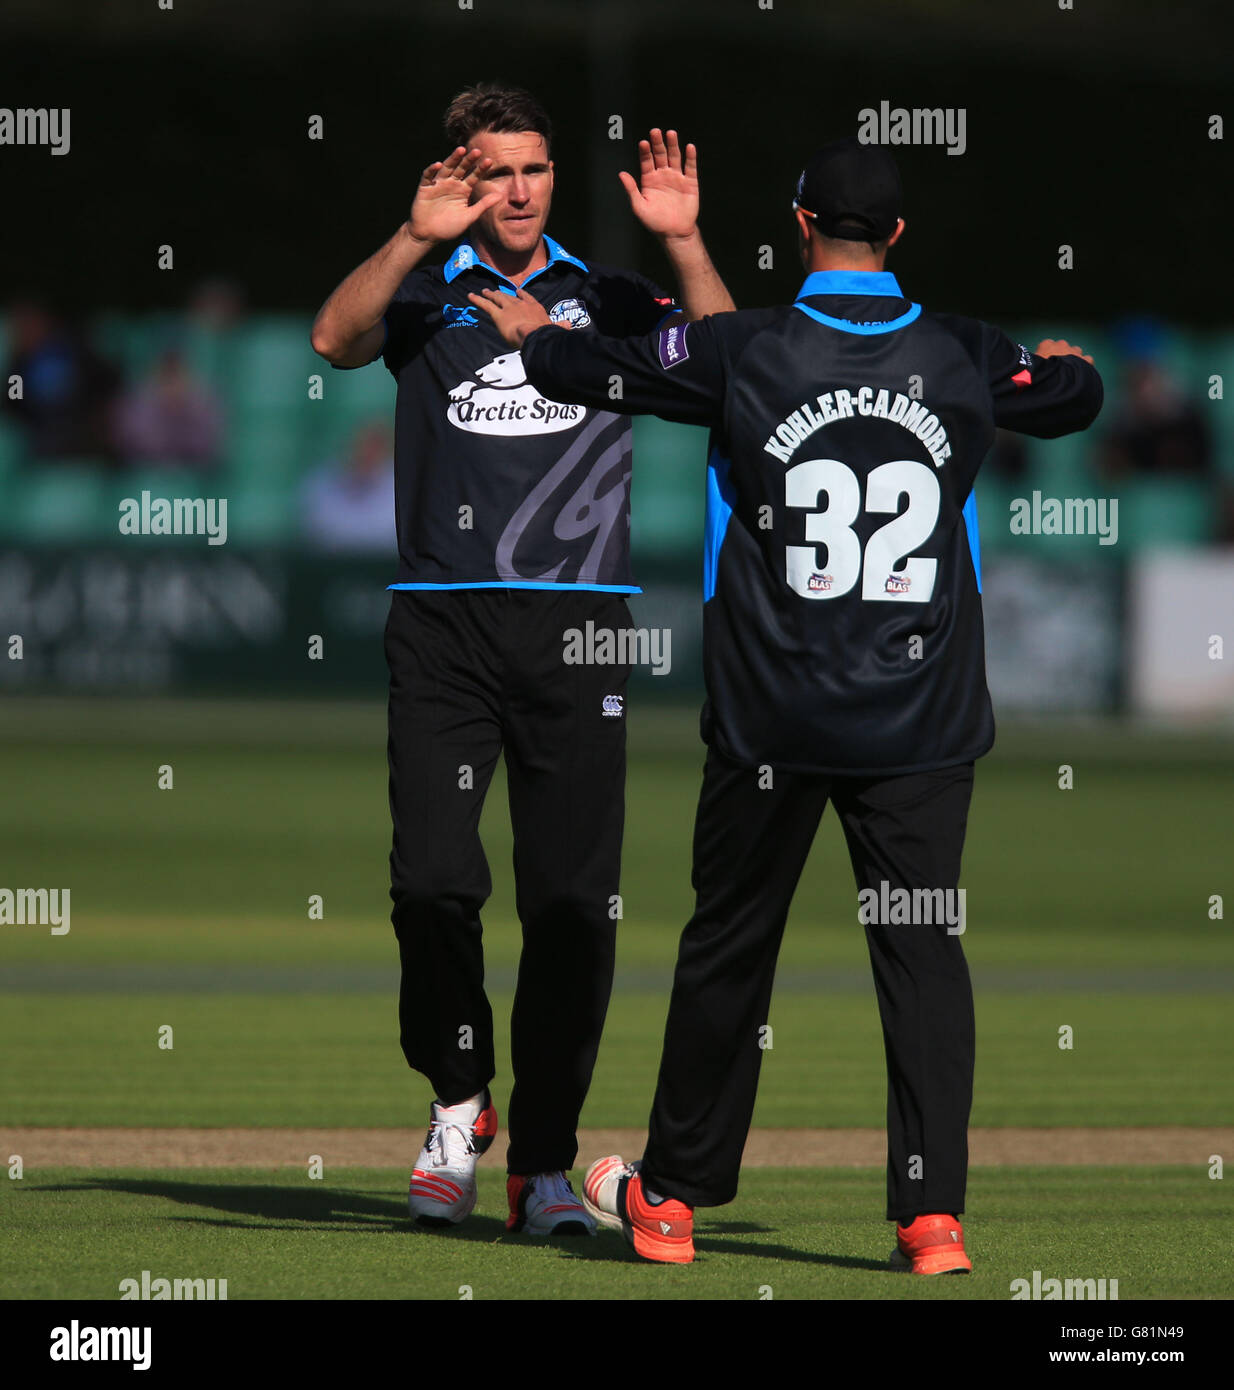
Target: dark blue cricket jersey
[
  {"x": 496, "y": 484},
  {"x": 842, "y": 616}
]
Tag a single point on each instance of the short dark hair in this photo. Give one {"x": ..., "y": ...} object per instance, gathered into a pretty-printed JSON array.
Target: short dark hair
[{"x": 491, "y": 106}]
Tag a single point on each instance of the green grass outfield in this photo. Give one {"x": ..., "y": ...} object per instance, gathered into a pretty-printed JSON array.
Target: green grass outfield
[
  {"x": 807, "y": 1233},
  {"x": 329, "y": 1060},
  {"x": 1086, "y": 908}
]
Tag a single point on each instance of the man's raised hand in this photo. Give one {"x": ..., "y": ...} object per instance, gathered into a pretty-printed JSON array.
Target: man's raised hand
[
  {"x": 515, "y": 315},
  {"x": 443, "y": 209},
  {"x": 665, "y": 198}
]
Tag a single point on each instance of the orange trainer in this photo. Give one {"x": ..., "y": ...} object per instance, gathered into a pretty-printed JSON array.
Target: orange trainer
[
  {"x": 664, "y": 1231},
  {"x": 931, "y": 1244}
]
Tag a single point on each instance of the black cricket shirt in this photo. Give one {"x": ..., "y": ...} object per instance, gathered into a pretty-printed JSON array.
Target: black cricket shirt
[
  {"x": 842, "y": 625},
  {"x": 498, "y": 485}
]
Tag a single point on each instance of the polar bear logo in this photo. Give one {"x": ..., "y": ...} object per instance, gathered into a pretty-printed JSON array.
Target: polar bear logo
[
  {"x": 503, "y": 373},
  {"x": 502, "y": 401}
]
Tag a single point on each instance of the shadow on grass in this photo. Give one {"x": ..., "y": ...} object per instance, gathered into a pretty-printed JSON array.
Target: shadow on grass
[
  {"x": 270, "y": 1207},
  {"x": 284, "y": 1208},
  {"x": 610, "y": 1246}
]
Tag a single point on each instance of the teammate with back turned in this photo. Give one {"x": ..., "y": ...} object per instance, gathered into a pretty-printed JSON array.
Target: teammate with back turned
[{"x": 844, "y": 661}]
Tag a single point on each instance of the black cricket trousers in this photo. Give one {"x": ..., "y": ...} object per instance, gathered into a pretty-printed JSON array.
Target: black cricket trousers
[
  {"x": 472, "y": 673},
  {"x": 750, "y": 845}
]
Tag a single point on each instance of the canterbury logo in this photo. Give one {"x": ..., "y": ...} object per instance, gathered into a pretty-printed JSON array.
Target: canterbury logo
[{"x": 614, "y": 706}]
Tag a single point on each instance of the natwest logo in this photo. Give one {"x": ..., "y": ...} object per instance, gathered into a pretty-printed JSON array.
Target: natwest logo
[{"x": 502, "y": 401}]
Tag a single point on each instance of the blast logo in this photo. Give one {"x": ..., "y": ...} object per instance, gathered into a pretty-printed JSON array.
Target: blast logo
[{"x": 672, "y": 346}]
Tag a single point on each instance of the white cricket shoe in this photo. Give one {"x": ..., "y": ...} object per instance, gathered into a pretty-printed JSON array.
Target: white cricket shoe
[
  {"x": 601, "y": 1188},
  {"x": 544, "y": 1204},
  {"x": 442, "y": 1190}
]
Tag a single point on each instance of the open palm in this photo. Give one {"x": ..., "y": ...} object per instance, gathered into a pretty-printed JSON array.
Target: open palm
[
  {"x": 443, "y": 208},
  {"x": 665, "y": 198}
]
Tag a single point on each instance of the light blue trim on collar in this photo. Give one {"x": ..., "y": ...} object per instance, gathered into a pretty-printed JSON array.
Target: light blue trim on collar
[
  {"x": 557, "y": 252},
  {"x": 464, "y": 257},
  {"x": 878, "y": 282},
  {"x": 864, "y": 329}
]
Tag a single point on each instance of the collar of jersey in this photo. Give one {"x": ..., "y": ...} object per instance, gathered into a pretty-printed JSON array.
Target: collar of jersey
[
  {"x": 863, "y": 282},
  {"x": 464, "y": 257}
]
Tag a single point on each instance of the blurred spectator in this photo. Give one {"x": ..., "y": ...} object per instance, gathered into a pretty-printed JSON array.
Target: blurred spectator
[
  {"x": 67, "y": 389},
  {"x": 1156, "y": 429},
  {"x": 350, "y": 505},
  {"x": 216, "y": 305},
  {"x": 171, "y": 417}
]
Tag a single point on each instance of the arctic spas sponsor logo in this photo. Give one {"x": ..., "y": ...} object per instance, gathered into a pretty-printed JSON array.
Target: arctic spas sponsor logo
[
  {"x": 1048, "y": 1289},
  {"x": 623, "y": 646},
  {"x": 78, "y": 1343},
  {"x": 917, "y": 125},
  {"x": 175, "y": 516},
  {"x": 572, "y": 312},
  {"x": 41, "y": 125},
  {"x": 1066, "y": 516},
  {"x": 502, "y": 401},
  {"x": 35, "y": 907},
  {"x": 156, "y": 1290},
  {"x": 872, "y": 402},
  {"x": 886, "y": 906}
]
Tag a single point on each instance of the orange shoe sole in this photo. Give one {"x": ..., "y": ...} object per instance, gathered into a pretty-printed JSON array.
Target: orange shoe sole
[{"x": 943, "y": 1262}]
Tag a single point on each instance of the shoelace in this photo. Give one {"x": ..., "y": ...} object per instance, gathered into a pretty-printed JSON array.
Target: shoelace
[{"x": 449, "y": 1142}]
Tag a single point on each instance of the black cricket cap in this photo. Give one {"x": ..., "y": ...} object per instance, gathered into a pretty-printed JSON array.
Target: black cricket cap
[{"x": 851, "y": 190}]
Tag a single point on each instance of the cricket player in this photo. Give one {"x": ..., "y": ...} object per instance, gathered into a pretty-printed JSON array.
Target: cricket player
[
  {"x": 513, "y": 516},
  {"x": 844, "y": 662}
]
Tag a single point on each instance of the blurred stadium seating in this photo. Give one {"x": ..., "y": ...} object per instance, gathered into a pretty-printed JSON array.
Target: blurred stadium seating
[{"x": 261, "y": 369}]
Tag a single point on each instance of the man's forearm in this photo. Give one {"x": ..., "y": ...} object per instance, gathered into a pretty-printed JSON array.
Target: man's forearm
[
  {"x": 702, "y": 291},
  {"x": 353, "y": 313}
]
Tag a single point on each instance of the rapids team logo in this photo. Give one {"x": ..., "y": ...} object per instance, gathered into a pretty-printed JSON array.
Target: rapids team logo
[
  {"x": 502, "y": 401},
  {"x": 572, "y": 312}
]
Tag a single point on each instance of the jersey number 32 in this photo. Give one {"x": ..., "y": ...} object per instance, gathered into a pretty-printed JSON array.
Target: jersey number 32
[{"x": 880, "y": 581}]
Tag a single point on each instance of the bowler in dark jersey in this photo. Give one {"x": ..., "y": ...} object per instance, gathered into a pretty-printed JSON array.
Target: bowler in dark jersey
[{"x": 513, "y": 519}]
